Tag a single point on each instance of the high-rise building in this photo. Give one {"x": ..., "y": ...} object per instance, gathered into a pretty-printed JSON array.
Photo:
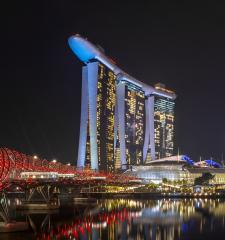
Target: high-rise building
[
  {"x": 164, "y": 124},
  {"x": 97, "y": 117},
  {"x": 131, "y": 120},
  {"x": 134, "y": 123},
  {"x": 123, "y": 120}
]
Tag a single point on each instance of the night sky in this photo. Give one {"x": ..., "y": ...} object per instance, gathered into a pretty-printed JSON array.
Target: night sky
[{"x": 180, "y": 45}]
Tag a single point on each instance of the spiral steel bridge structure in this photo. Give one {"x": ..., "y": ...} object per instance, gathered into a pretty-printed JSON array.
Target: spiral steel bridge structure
[{"x": 14, "y": 165}]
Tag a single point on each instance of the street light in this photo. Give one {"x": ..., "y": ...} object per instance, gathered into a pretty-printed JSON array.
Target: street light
[
  {"x": 68, "y": 164},
  {"x": 54, "y": 160},
  {"x": 35, "y": 157}
]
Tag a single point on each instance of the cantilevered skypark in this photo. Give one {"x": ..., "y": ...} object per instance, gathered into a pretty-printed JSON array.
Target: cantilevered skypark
[{"x": 123, "y": 120}]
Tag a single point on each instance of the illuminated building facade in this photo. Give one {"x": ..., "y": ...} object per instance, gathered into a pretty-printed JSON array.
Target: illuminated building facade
[
  {"x": 163, "y": 124},
  {"x": 178, "y": 168},
  {"x": 119, "y": 114},
  {"x": 131, "y": 110},
  {"x": 96, "y": 144},
  {"x": 134, "y": 124}
]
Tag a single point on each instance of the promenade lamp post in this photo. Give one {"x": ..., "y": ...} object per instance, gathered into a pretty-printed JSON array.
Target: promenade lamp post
[
  {"x": 68, "y": 166},
  {"x": 35, "y": 157},
  {"x": 57, "y": 165}
]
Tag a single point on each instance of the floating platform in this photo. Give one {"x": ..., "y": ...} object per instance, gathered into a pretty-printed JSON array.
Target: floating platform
[{"x": 13, "y": 227}]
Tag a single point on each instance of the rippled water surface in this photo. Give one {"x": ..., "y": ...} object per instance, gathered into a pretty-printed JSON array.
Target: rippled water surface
[{"x": 126, "y": 219}]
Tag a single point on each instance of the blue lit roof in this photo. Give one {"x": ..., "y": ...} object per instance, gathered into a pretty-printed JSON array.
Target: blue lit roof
[
  {"x": 213, "y": 163},
  {"x": 187, "y": 159},
  {"x": 81, "y": 50}
]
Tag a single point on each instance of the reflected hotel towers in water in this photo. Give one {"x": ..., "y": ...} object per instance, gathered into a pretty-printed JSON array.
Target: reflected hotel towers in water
[
  {"x": 123, "y": 121},
  {"x": 141, "y": 219}
]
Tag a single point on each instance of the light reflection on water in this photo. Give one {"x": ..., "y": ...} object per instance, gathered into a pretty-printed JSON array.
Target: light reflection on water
[{"x": 126, "y": 219}]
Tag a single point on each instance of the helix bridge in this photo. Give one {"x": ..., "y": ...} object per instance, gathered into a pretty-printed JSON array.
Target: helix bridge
[{"x": 19, "y": 168}]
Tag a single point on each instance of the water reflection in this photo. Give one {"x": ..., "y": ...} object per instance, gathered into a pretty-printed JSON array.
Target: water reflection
[{"x": 128, "y": 219}]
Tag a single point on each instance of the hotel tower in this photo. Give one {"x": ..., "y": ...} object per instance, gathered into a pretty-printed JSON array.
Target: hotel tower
[{"x": 123, "y": 121}]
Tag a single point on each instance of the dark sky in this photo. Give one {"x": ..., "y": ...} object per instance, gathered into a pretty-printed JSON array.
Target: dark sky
[{"x": 181, "y": 45}]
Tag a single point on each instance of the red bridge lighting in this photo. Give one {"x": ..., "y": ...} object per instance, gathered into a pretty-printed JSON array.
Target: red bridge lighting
[{"x": 14, "y": 165}]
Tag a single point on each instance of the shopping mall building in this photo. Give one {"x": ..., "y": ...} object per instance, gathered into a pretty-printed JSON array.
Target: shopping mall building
[{"x": 178, "y": 168}]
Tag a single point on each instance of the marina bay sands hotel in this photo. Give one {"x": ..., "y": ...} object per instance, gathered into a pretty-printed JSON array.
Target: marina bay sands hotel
[{"x": 123, "y": 120}]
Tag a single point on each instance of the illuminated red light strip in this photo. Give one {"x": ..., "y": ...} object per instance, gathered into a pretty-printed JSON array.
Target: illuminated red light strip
[{"x": 14, "y": 162}]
